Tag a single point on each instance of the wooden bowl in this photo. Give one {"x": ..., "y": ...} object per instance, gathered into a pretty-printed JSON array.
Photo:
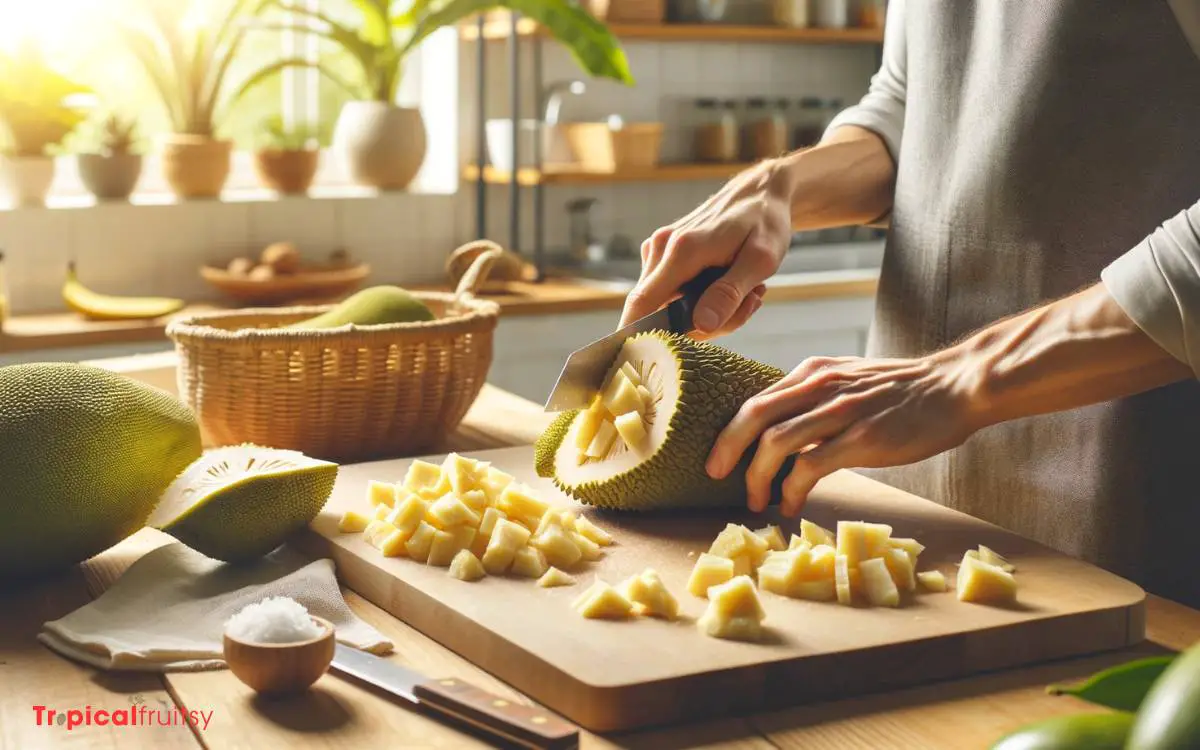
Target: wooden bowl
[
  {"x": 309, "y": 283},
  {"x": 281, "y": 668}
]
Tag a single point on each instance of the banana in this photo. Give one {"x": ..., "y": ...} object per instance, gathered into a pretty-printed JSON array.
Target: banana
[{"x": 96, "y": 306}]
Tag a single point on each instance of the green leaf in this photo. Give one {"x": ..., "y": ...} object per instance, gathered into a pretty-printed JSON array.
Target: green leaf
[
  {"x": 375, "y": 29},
  {"x": 266, "y": 72},
  {"x": 1121, "y": 687},
  {"x": 590, "y": 42}
]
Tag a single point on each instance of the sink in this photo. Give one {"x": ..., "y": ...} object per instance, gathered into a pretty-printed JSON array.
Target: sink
[{"x": 844, "y": 261}]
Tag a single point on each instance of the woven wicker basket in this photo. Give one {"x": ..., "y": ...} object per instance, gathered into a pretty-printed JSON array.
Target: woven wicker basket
[{"x": 346, "y": 394}]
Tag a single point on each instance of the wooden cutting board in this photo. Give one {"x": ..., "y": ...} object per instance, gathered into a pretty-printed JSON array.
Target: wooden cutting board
[{"x": 608, "y": 676}]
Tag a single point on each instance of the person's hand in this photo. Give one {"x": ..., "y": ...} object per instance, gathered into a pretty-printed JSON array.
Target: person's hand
[
  {"x": 745, "y": 227},
  {"x": 844, "y": 413}
]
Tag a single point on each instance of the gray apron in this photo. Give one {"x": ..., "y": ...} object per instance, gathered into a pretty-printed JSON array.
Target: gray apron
[{"x": 1043, "y": 139}]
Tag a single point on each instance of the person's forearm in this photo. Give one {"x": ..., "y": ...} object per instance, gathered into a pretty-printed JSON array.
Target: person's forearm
[
  {"x": 1077, "y": 351},
  {"x": 846, "y": 180}
]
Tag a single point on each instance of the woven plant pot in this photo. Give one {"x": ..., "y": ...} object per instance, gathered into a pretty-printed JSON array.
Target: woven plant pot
[{"x": 345, "y": 394}]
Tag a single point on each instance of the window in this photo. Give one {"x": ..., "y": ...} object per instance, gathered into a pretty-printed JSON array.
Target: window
[{"x": 89, "y": 48}]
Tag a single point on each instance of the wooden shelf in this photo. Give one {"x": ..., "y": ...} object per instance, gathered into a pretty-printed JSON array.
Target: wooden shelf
[
  {"x": 576, "y": 176},
  {"x": 495, "y": 29}
]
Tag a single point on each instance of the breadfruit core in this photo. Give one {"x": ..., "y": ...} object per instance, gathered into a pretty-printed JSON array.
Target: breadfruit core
[
  {"x": 652, "y": 453},
  {"x": 240, "y": 502}
]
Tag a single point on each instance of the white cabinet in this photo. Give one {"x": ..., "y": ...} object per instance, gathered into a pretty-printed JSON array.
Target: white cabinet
[{"x": 530, "y": 350}]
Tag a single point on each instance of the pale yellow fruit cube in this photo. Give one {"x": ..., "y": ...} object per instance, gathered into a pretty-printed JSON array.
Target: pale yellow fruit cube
[
  {"x": 602, "y": 601},
  {"x": 560, "y": 549},
  {"x": 588, "y": 549},
  {"x": 419, "y": 543},
  {"x": 902, "y": 567},
  {"x": 733, "y": 611},
  {"x": 448, "y": 543},
  {"x": 393, "y": 545},
  {"x": 984, "y": 583},
  {"x": 490, "y": 518},
  {"x": 518, "y": 501},
  {"x": 449, "y": 511},
  {"x": 422, "y": 475},
  {"x": 877, "y": 584},
  {"x": 353, "y": 522},
  {"x": 476, "y": 500},
  {"x": 466, "y": 567},
  {"x": 859, "y": 540},
  {"x": 911, "y": 546},
  {"x": 376, "y": 532},
  {"x": 381, "y": 493},
  {"x": 709, "y": 570},
  {"x": 773, "y": 537},
  {"x": 554, "y": 577},
  {"x": 814, "y": 534},
  {"x": 529, "y": 562},
  {"x": 932, "y": 580},
  {"x": 649, "y": 595},
  {"x": 590, "y": 530},
  {"x": 409, "y": 513}
]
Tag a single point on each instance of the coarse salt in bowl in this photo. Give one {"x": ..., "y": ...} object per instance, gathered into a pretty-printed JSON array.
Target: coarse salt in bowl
[
  {"x": 276, "y": 619},
  {"x": 276, "y": 647}
]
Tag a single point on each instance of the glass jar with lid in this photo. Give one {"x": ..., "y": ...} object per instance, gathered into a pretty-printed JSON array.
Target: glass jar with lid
[
  {"x": 791, "y": 13},
  {"x": 766, "y": 130},
  {"x": 716, "y": 133},
  {"x": 809, "y": 122},
  {"x": 831, "y": 14}
]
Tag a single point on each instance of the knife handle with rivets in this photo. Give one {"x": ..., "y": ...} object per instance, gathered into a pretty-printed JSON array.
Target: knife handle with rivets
[
  {"x": 680, "y": 311},
  {"x": 514, "y": 722}
]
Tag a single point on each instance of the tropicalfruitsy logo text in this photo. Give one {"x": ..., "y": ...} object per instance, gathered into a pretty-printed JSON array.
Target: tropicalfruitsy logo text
[{"x": 137, "y": 715}]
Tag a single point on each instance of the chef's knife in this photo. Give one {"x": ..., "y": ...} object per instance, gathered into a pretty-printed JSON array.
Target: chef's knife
[
  {"x": 502, "y": 719},
  {"x": 584, "y": 372}
]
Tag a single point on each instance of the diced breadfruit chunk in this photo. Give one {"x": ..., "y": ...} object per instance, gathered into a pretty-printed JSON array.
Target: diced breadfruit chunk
[
  {"x": 381, "y": 493},
  {"x": 376, "y": 532},
  {"x": 588, "y": 549},
  {"x": 743, "y": 564},
  {"x": 649, "y": 595},
  {"x": 550, "y": 518},
  {"x": 911, "y": 546},
  {"x": 859, "y": 540},
  {"x": 735, "y": 540},
  {"x": 782, "y": 570},
  {"x": 393, "y": 545},
  {"x": 902, "y": 567},
  {"x": 507, "y": 537},
  {"x": 409, "y": 513},
  {"x": 588, "y": 423},
  {"x": 381, "y": 513},
  {"x": 422, "y": 475},
  {"x": 606, "y": 435},
  {"x": 631, "y": 428},
  {"x": 419, "y": 543},
  {"x": 647, "y": 398},
  {"x": 733, "y": 611},
  {"x": 843, "y": 585},
  {"x": 490, "y": 518},
  {"x": 622, "y": 396},
  {"x": 352, "y": 522},
  {"x": 519, "y": 502},
  {"x": 590, "y": 530},
  {"x": 558, "y": 546},
  {"x": 466, "y": 567},
  {"x": 814, "y": 534},
  {"x": 821, "y": 562},
  {"x": 554, "y": 577},
  {"x": 529, "y": 562},
  {"x": 984, "y": 583},
  {"x": 932, "y": 580},
  {"x": 494, "y": 483},
  {"x": 773, "y": 537},
  {"x": 877, "y": 584},
  {"x": 476, "y": 500},
  {"x": 461, "y": 473},
  {"x": 818, "y": 590},
  {"x": 990, "y": 556},
  {"x": 796, "y": 541},
  {"x": 710, "y": 570},
  {"x": 632, "y": 374},
  {"x": 448, "y": 543},
  {"x": 449, "y": 511},
  {"x": 602, "y": 601}
]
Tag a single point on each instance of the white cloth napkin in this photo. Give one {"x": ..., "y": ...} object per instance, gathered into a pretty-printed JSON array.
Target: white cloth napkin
[{"x": 168, "y": 611}]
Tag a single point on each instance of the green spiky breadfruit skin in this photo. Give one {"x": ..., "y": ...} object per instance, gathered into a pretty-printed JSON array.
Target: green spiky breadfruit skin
[
  {"x": 715, "y": 382},
  {"x": 256, "y": 515},
  {"x": 85, "y": 454},
  {"x": 377, "y": 305}
]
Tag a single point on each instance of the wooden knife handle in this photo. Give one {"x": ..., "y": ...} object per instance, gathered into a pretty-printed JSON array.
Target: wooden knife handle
[
  {"x": 500, "y": 717},
  {"x": 680, "y": 311}
]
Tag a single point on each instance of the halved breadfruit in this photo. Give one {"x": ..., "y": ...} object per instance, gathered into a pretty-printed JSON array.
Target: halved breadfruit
[{"x": 643, "y": 445}]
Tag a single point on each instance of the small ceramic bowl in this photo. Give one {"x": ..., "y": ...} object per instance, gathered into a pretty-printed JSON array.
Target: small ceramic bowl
[{"x": 281, "y": 668}]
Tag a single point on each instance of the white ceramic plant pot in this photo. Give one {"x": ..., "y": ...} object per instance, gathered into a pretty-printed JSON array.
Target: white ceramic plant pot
[
  {"x": 382, "y": 146},
  {"x": 27, "y": 179}
]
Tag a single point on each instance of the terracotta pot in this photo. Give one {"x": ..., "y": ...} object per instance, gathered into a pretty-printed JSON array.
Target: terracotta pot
[
  {"x": 383, "y": 146},
  {"x": 112, "y": 177},
  {"x": 196, "y": 166},
  {"x": 287, "y": 172},
  {"x": 27, "y": 179}
]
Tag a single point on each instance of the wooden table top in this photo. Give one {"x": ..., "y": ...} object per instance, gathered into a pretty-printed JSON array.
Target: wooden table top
[
  {"x": 22, "y": 333},
  {"x": 970, "y": 713}
]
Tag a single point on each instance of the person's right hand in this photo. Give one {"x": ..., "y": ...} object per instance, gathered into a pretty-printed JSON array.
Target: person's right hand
[{"x": 745, "y": 227}]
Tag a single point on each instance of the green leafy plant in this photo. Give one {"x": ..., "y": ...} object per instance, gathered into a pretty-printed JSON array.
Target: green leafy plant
[
  {"x": 113, "y": 135},
  {"x": 279, "y": 136},
  {"x": 36, "y": 103},
  {"x": 385, "y": 34},
  {"x": 187, "y": 59}
]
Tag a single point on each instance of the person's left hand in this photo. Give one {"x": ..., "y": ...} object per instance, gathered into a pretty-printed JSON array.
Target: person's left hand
[{"x": 843, "y": 413}]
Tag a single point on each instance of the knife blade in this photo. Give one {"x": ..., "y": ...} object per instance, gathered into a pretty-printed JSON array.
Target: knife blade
[
  {"x": 502, "y": 719},
  {"x": 584, "y": 371}
]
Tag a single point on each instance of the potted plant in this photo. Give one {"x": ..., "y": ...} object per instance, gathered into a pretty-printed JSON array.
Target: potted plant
[
  {"x": 288, "y": 159},
  {"x": 37, "y": 112},
  {"x": 187, "y": 58},
  {"x": 383, "y": 144},
  {"x": 112, "y": 170}
]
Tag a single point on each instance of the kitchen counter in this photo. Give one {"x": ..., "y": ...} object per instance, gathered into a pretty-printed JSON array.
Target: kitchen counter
[
  {"x": 336, "y": 714},
  {"x": 23, "y": 333}
]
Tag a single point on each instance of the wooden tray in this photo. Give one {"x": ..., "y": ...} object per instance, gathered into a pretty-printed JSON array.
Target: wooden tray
[
  {"x": 311, "y": 283},
  {"x": 619, "y": 675}
]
